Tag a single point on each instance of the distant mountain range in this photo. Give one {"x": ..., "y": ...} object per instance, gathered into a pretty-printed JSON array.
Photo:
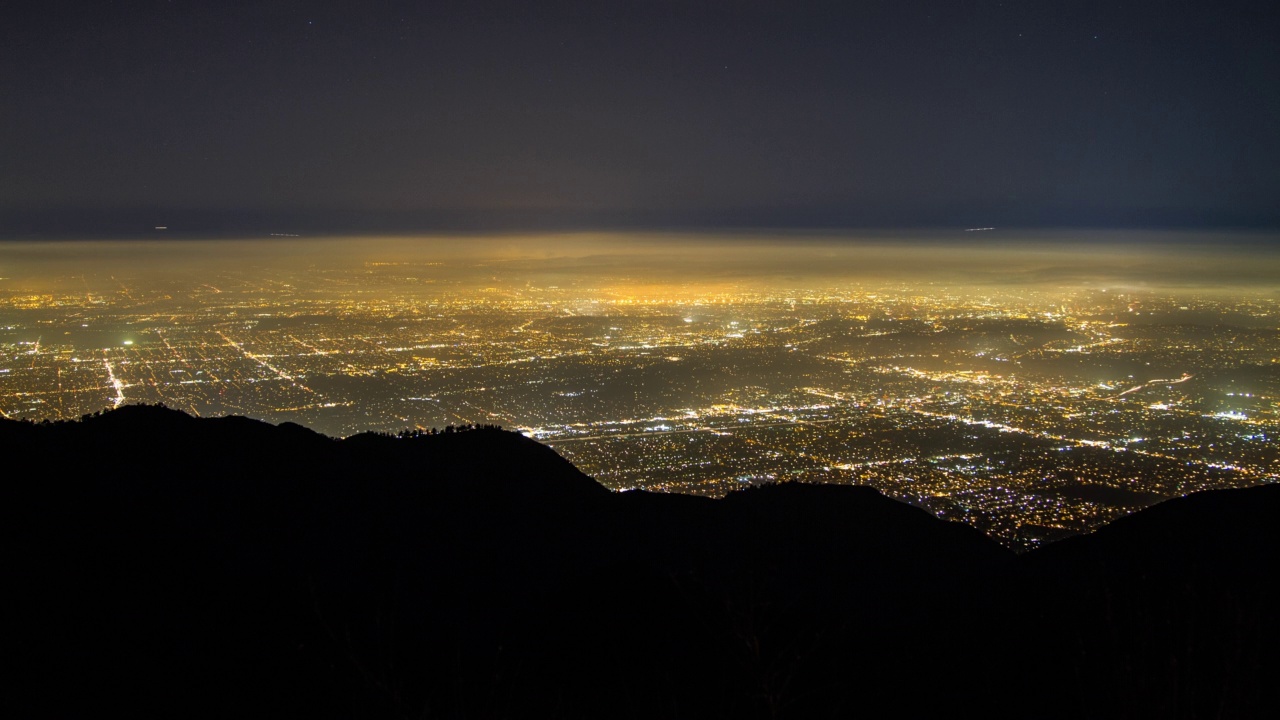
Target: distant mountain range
[{"x": 166, "y": 566}]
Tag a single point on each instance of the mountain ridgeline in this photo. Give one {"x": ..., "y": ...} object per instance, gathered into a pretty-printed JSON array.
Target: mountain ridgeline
[{"x": 168, "y": 566}]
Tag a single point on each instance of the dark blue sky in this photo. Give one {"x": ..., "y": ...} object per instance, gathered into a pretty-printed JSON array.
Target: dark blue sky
[{"x": 323, "y": 116}]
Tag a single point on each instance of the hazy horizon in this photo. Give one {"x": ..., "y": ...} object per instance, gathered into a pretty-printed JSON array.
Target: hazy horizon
[{"x": 1226, "y": 261}]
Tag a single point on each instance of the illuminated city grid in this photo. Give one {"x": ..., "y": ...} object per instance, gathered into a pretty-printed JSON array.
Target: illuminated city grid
[{"x": 1031, "y": 413}]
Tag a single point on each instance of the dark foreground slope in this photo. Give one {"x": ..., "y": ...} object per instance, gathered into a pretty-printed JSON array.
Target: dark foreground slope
[
  {"x": 169, "y": 566},
  {"x": 1169, "y": 613}
]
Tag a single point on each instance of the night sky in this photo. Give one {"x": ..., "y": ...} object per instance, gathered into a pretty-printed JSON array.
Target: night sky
[{"x": 330, "y": 117}]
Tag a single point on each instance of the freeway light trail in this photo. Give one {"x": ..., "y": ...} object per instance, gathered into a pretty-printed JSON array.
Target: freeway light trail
[{"x": 115, "y": 383}]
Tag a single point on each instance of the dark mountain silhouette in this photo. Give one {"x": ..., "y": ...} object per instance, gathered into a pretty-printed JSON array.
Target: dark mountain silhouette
[{"x": 167, "y": 566}]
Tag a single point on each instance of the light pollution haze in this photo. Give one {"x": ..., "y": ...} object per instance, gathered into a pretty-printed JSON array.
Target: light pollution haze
[{"x": 1199, "y": 261}]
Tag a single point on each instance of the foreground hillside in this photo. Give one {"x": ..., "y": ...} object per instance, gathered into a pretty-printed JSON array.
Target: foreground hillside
[{"x": 170, "y": 566}]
